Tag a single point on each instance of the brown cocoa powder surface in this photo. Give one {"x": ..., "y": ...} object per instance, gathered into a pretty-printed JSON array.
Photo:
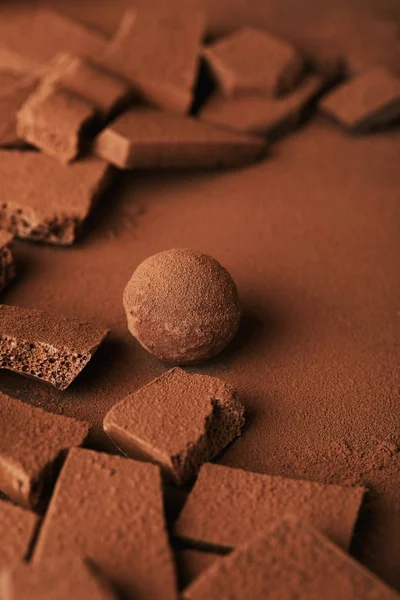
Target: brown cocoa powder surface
[{"x": 310, "y": 235}]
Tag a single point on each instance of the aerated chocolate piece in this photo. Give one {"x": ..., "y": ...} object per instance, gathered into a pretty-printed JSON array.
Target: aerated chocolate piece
[
  {"x": 227, "y": 506},
  {"x": 157, "y": 50},
  {"x": 7, "y": 265},
  {"x": 253, "y": 61},
  {"x": 48, "y": 347},
  {"x": 49, "y": 202},
  {"x": 109, "y": 509},
  {"x": 14, "y": 91},
  {"x": 178, "y": 421},
  {"x": 55, "y": 120},
  {"x": 290, "y": 560},
  {"x": 257, "y": 114},
  {"x": 56, "y": 578},
  {"x": 366, "y": 102},
  {"x": 17, "y": 527},
  {"x": 191, "y": 563},
  {"x": 148, "y": 138},
  {"x": 102, "y": 90},
  {"x": 31, "y": 440}
]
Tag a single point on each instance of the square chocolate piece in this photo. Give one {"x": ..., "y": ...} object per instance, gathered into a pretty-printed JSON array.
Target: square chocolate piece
[
  {"x": 17, "y": 527},
  {"x": 179, "y": 421}
]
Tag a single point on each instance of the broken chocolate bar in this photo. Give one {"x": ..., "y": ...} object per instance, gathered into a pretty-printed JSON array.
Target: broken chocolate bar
[
  {"x": 14, "y": 91},
  {"x": 289, "y": 560},
  {"x": 157, "y": 51},
  {"x": 7, "y": 265},
  {"x": 17, "y": 527},
  {"x": 240, "y": 502},
  {"x": 51, "y": 201},
  {"x": 31, "y": 441},
  {"x": 179, "y": 421},
  {"x": 253, "y": 61},
  {"x": 55, "y": 120},
  {"x": 48, "y": 347},
  {"x": 148, "y": 138},
  {"x": 109, "y": 509},
  {"x": 257, "y": 114},
  {"x": 56, "y": 578},
  {"x": 368, "y": 101}
]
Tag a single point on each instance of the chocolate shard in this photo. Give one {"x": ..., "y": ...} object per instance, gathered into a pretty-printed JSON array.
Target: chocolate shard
[
  {"x": 148, "y": 138},
  {"x": 7, "y": 264},
  {"x": 56, "y": 578},
  {"x": 157, "y": 50},
  {"x": 240, "y": 502},
  {"x": 179, "y": 421},
  {"x": 258, "y": 114},
  {"x": 17, "y": 527},
  {"x": 55, "y": 120},
  {"x": 48, "y": 347},
  {"x": 368, "y": 101},
  {"x": 51, "y": 201},
  {"x": 30, "y": 443},
  {"x": 14, "y": 91},
  {"x": 253, "y": 61},
  {"x": 109, "y": 509},
  {"x": 290, "y": 560},
  {"x": 191, "y": 563}
]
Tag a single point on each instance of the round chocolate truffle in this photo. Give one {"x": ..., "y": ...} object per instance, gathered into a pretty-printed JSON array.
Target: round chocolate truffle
[{"x": 182, "y": 306}]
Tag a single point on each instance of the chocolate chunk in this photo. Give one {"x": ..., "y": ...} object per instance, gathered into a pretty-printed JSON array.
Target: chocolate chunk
[
  {"x": 257, "y": 114},
  {"x": 31, "y": 441},
  {"x": 17, "y": 527},
  {"x": 48, "y": 347},
  {"x": 227, "y": 506},
  {"x": 14, "y": 91},
  {"x": 50, "y": 202},
  {"x": 366, "y": 102},
  {"x": 191, "y": 563},
  {"x": 109, "y": 509},
  {"x": 104, "y": 91},
  {"x": 182, "y": 306},
  {"x": 146, "y": 138},
  {"x": 56, "y": 578},
  {"x": 253, "y": 61},
  {"x": 54, "y": 120},
  {"x": 290, "y": 560},
  {"x": 7, "y": 265},
  {"x": 178, "y": 421},
  {"x": 157, "y": 50}
]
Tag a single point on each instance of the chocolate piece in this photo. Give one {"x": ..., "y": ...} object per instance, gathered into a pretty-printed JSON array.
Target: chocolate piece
[
  {"x": 191, "y": 563},
  {"x": 253, "y": 61},
  {"x": 17, "y": 527},
  {"x": 48, "y": 347},
  {"x": 239, "y": 503},
  {"x": 182, "y": 306},
  {"x": 104, "y": 91},
  {"x": 17, "y": 64},
  {"x": 366, "y": 102},
  {"x": 56, "y": 578},
  {"x": 290, "y": 560},
  {"x": 14, "y": 91},
  {"x": 7, "y": 265},
  {"x": 157, "y": 50},
  {"x": 178, "y": 421},
  {"x": 51, "y": 202},
  {"x": 109, "y": 509},
  {"x": 31, "y": 441},
  {"x": 146, "y": 138},
  {"x": 256, "y": 114},
  {"x": 54, "y": 120}
]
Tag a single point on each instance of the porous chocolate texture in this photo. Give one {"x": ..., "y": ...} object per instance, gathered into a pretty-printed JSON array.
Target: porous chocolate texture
[
  {"x": 290, "y": 560},
  {"x": 178, "y": 421},
  {"x": 7, "y": 264},
  {"x": 31, "y": 441},
  {"x": 48, "y": 347},
  {"x": 42, "y": 200},
  {"x": 17, "y": 527},
  {"x": 110, "y": 510},
  {"x": 227, "y": 506},
  {"x": 56, "y": 578}
]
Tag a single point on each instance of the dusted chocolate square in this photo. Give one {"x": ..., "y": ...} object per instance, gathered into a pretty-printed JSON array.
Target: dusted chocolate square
[{"x": 17, "y": 527}]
